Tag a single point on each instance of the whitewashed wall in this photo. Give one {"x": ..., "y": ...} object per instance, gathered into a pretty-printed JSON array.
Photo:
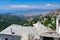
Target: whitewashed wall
[
  {"x": 2, "y": 37},
  {"x": 57, "y": 26}
]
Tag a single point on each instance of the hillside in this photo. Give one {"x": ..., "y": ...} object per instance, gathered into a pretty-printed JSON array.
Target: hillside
[
  {"x": 49, "y": 19},
  {"x": 6, "y": 20},
  {"x": 53, "y": 13}
]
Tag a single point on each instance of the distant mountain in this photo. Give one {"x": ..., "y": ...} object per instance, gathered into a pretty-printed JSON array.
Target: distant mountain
[
  {"x": 53, "y": 13},
  {"x": 27, "y": 17},
  {"x": 49, "y": 19},
  {"x": 36, "y": 11},
  {"x": 26, "y": 12}
]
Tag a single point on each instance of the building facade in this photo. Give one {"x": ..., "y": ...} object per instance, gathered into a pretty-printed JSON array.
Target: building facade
[
  {"x": 9, "y": 37},
  {"x": 37, "y": 32},
  {"x": 52, "y": 35},
  {"x": 18, "y": 32}
]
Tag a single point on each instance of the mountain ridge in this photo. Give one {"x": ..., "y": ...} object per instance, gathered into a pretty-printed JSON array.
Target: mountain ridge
[{"x": 27, "y": 12}]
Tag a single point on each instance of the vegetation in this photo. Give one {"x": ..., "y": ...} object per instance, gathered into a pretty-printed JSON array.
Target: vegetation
[
  {"x": 6, "y": 20},
  {"x": 48, "y": 20}
]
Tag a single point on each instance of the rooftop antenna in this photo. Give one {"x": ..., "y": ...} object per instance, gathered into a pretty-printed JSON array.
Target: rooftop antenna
[{"x": 11, "y": 30}]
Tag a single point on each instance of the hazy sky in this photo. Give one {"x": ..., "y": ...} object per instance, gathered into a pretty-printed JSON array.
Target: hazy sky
[{"x": 41, "y": 4}]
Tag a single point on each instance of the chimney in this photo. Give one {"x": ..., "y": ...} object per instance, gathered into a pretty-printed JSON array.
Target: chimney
[
  {"x": 37, "y": 25},
  {"x": 12, "y": 31},
  {"x": 58, "y": 24}
]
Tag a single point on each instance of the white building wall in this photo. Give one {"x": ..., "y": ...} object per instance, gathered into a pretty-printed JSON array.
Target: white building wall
[
  {"x": 56, "y": 38},
  {"x": 25, "y": 37},
  {"x": 17, "y": 38},
  {"x": 58, "y": 25},
  {"x": 41, "y": 38},
  {"x": 2, "y": 37}
]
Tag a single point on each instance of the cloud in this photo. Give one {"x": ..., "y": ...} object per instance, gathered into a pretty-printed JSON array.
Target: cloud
[
  {"x": 45, "y": 6},
  {"x": 49, "y": 5},
  {"x": 22, "y": 6}
]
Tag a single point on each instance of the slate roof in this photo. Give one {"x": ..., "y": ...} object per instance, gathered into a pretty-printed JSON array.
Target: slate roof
[{"x": 24, "y": 31}]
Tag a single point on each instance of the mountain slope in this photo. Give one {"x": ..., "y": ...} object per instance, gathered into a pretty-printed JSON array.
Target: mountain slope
[
  {"x": 49, "y": 19},
  {"x": 6, "y": 20},
  {"x": 12, "y": 18},
  {"x": 53, "y": 13},
  {"x": 26, "y": 12}
]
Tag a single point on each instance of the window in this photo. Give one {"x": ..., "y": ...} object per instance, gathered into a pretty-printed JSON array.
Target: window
[
  {"x": 58, "y": 22},
  {"x": 48, "y": 38},
  {"x": 6, "y": 38}
]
